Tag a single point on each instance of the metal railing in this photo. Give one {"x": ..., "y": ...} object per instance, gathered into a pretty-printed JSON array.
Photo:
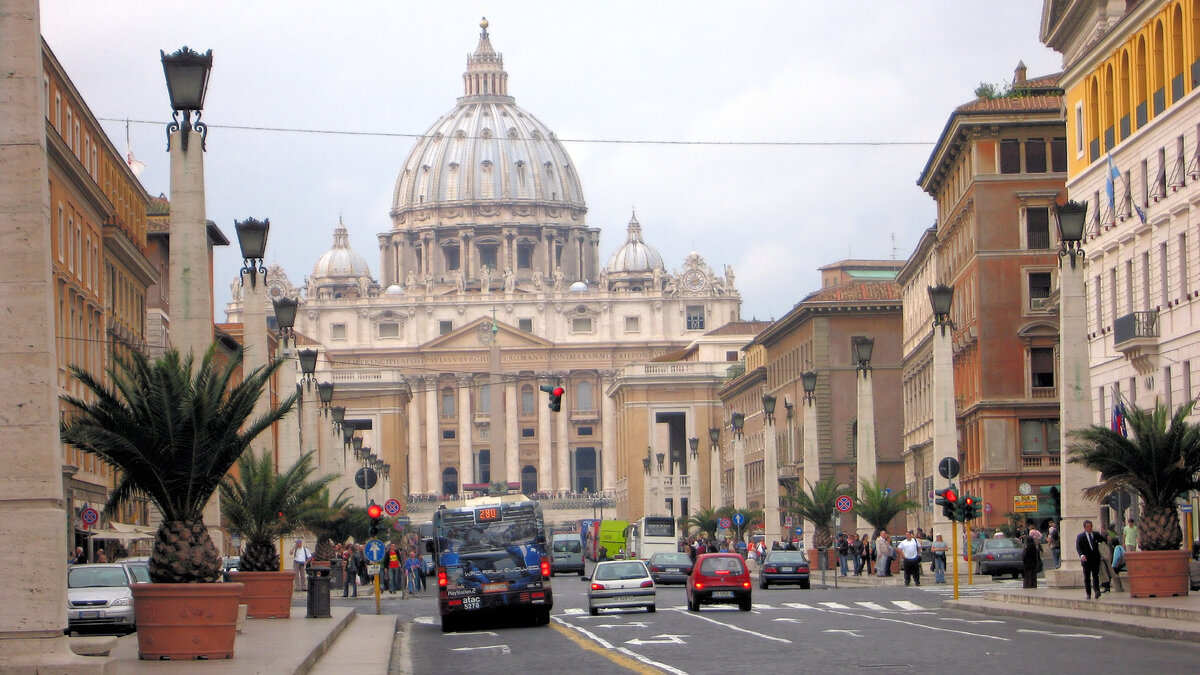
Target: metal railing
[{"x": 1135, "y": 325}]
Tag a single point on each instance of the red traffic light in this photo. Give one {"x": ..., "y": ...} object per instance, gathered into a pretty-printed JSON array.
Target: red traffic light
[
  {"x": 969, "y": 500},
  {"x": 375, "y": 511},
  {"x": 951, "y": 495},
  {"x": 558, "y": 391}
]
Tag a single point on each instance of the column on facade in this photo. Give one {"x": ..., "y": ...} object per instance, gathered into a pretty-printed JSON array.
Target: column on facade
[
  {"x": 770, "y": 481},
  {"x": 715, "y": 495},
  {"x": 812, "y": 461},
  {"x": 545, "y": 438},
  {"x": 467, "y": 253},
  {"x": 310, "y": 413},
  {"x": 466, "y": 457},
  {"x": 288, "y": 452},
  {"x": 608, "y": 431},
  {"x": 945, "y": 437},
  {"x": 562, "y": 454},
  {"x": 512, "y": 440},
  {"x": 739, "y": 470},
  {"x": 416, "y": 458},
  {"x": 865, "y": 445},
  {"x": 387, "y": 273},
  {"x": 433, "y": 460}
]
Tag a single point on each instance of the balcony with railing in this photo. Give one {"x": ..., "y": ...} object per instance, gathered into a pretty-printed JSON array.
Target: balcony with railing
[{"x": 1136, "y": 334}]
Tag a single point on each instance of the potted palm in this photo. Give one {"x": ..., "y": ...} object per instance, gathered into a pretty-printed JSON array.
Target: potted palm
[
  {"x": 878, "y": 505},
  {"x": 705, "y": 520},
  {"x": 263, "y": 506},
  {"x": 170, "y": 429},
  {"x": 817, "y": 506},
  {"x": 330, "y": 524},
  {"x": 1160, "y": 463}
]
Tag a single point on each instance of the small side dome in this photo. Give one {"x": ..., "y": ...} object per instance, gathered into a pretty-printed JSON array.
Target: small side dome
[
  {"x": 394, "y": 289},
  {"x": 341, "y": 261},
  {"x": 579, "y": 287},
  {"x": 635, "y": 256}
]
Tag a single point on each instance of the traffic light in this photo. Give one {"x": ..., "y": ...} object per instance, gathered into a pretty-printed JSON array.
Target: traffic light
[
  {"x": 947, "y": 498},
  {"x": 556, "y": 394},
  {"x": 374, "y": 512},
  {"x": 969, "y": 509}
]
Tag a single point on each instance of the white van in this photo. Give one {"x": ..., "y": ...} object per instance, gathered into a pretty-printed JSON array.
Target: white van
[{"x": 567, "y": 550}]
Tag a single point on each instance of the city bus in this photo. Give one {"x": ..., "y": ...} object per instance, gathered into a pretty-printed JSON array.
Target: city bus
[
  {"x": 492, "y": 556},
  {"x": 649, "y": 535},
  {"x": 604, "y": 539}
]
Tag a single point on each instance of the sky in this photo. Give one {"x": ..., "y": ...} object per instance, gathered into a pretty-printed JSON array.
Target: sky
[{"x": 774, "y": 137}]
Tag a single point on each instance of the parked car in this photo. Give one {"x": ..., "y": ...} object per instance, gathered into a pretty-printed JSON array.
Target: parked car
[
  {"x": 718, "y": 578},
  {"x": 567, "y": 550},
  {"x": 430, "y": 567},
  {"x": 926, "y": 546},
  {"x": 784, "y": 567},
  {"x": 998, "y": 556},
  {"x": 99, "y": 598},
  {"x": 670, "y": 568},
  {"x": 230, "y": 564},
  {"x": 620, "y": 584},
  {"x": 140, "y": 567}
]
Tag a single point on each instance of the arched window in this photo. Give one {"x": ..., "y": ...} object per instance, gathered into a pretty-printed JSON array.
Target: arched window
[
  {"x": 1175, "y": 57},
  {"x": 1093, "y": 120},
  {"x": 1110, "y": 109},
  {"x": 1194, "y": 55},
  {"x": 529, "y": 479},
  {"x": 1141, "y": 86},
  {"x": 1158, "y": 69},
  {"x": 583, "y": 396},
  {"x": 450, "y": 481},
  {"x": 1123, "y": 97}
]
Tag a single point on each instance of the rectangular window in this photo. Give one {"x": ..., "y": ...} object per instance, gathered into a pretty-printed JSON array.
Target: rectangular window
[
  {"x": 1098, "y": 301},
  {"x": 1010, "y": 155},
  {"x": 389, "y": 330},
  {"x": 62, "y": 233},
  {"x": 1058, "y": 155},
  {"x": 527, "y": 432},
  {"x": 1144, "y": 197},
  {"x": 448, "y": 434},
  {"x": 695, "y": 317},
  {"x": 337, "y": 331},
  {"x": 1039, "y": 289},
  {"x": 524, "y": 256},
  {"x": 527, "y": 401},
  {"x": 483, "y": 403},
  {"x": 71, "y": 243},
  {"x": 1039, "y": 437},
  {"x": 1112, "y": 294},
  {"x": 1183, "y": 266},
  {"x": 581, "y": 324},
  {"x": 1162, "y": 274},
  {"x": 1167, "y": 386},
  {"x": 585, "y": 431},
  {"x": 1079, "y": 130},
  {"x": 445, "y": 327},
  {"x": 1035, "y": 155},
  {"x": 731, "y": 356},
  {"x": 632, "y": 324},
  {"x": 451, "y": 255},
  {"x": 1037, "y": 228},
  {"x": 1129, "y": 286},
  {"x": 1041, "y": 367},
  {"x": 1187, "y": 381},
  {"x": 447, "y": 403},
  {"x": 525, "y": 325},
  {"x": 1146, "y": 281}
]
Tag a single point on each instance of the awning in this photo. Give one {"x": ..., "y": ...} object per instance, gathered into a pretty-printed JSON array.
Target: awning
[{"x": 123, "y": 532}]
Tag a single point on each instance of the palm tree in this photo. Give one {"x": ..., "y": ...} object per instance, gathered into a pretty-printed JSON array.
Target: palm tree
[
  {"x": 329, "y": 522},
  {"x": 1159, "y": 462},
  {"x": 171, "y": 429},
  {"x": 705, "y": 520},
  {"x": 816, "y": 505},
  {"x": 878, "y": 506},
  {"x": 751, "y": 516},
  {"x": 262, "y": 506}
]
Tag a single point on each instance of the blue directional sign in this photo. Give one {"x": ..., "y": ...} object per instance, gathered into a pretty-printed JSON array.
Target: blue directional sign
[
  {"x": 799, "y": 531},
  {"x": 374, "y": 550},
  {"x": 739, "y": 519}
]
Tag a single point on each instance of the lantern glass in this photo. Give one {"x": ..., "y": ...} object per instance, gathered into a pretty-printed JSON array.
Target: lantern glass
[
  {"x": 1072, "y": 218},
  {"x": 308, "y": 361},
  {"x": 187, "y": 77},
  {"x": 325, "y": 391},
  {"x": 863, "y": 347},
  {"x": 714, "y": 435},
  {"x": 285, "y": 313},
  {"x": 339, "y": 413},
  {"x": 252, "y": 237},
  {"x": 809, "y": 380},
  {"x": 768, "y": 404},
  {"x": 941, "y": 297},
  {"x": 737, "y": 419}
]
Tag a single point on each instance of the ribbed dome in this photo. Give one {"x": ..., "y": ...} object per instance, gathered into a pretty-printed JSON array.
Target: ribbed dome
[
  {"x": 635, "y": 255},
  {"x": 341, "y": 261},
  {"x": 487, "y": 149}
]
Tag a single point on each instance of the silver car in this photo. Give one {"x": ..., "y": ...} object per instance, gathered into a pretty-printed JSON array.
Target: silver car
[
  {"x": 620, "y": 584},
  {"x": 99, "y": 597}
]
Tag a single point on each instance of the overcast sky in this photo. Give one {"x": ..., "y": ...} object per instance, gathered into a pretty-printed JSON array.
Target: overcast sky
[{"x": 857, "y": 92}]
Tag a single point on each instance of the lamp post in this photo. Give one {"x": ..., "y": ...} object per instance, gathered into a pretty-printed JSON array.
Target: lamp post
[
  {"x": 945, "y": 442},
  {"x": 737, "y": 422},
  {"x": 812, "y": 457},
  {"x": 715, "y": 497},
  {"x": 862, "y": 348},
  {"x": 770, "y": 470},
  {"x": 285, "y": 319},
  {"x": 1074, "y": 393},
  {"x": 252, "y": 239},
  {"x": 306, "y": 439}
]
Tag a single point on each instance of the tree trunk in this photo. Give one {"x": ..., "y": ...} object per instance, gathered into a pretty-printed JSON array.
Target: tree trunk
[
  {"x": 184, "y": 553},
  {"x": 1160, "y": 529}
]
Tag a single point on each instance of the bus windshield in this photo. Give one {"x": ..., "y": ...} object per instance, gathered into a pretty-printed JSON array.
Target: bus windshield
[{"x": 500, "y": 551}]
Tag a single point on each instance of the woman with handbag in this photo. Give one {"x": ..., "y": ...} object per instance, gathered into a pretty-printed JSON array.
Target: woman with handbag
[{"x": 1032, "y": 559}]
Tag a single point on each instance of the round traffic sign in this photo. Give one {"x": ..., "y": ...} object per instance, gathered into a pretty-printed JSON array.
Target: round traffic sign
[
  {"x": 89, "y": 515},
  {"x": 948, "y": 467},
  {"x": 844, "y": 503},
  {"x": 799, "y": 531},
  {"x": 987, "y": 507},
  {"x": 365, "y": 478},
  {"x": 788, "y": 521},
  {"x": 725, "y": 524},
  {"x": 392, "y": 506},
  {"x": 739, "y": 519},
  {"x": 373, "y": 550}
]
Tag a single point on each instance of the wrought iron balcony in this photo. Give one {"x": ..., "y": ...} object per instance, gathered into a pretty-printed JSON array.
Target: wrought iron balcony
[{"x": 1135, "y": 330}]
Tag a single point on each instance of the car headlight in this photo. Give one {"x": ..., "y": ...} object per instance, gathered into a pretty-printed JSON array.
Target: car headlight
[{"x": 121, "y": 602}]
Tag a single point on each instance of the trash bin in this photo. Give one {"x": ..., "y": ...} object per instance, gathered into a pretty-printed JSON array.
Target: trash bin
[
  {"x": 337, "y": 576},
  {"x": 318, "y": 592}
]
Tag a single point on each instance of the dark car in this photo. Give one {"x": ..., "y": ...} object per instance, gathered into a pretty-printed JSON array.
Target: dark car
[
  {"x": 783, "y": 567},
  {"x": 670, "y": 568},
  {"x": 998, "y": 556},
  {"x": 718, "y": 578}
]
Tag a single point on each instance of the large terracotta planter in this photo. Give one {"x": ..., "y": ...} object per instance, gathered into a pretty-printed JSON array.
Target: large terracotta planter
[
  {"x": 186, "y": 621},
  {"x": 268, "y": 595},
  {"x": 1157, "y": 574}
]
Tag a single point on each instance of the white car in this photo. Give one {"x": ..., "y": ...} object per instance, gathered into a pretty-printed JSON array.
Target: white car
[
  {"x": 620, "y": 584},
  {"x": 99, "y": 597}
]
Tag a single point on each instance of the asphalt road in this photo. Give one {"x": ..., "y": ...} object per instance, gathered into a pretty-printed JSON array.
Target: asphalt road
[{"x": 849, "y": 629}]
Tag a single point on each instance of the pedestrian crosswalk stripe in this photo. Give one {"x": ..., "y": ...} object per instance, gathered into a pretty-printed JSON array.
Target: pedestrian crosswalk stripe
[
  {"x": 797, "y": 605},
  {"x": 872, "y": 605},
  {"x": 834, "y": 605},
  {"x": 905, "y": 604}
]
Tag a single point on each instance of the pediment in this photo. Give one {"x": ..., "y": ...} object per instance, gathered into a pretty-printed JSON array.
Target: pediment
[{"x": 478, "y": 333}]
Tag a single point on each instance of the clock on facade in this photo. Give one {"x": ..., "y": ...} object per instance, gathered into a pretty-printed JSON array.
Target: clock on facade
[
  {"x": 1025, "y": 488},
  {"x": 694, "y": 280}
]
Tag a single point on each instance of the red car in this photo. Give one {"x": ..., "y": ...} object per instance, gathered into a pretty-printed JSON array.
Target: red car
[{"x": 719, "y": 578}]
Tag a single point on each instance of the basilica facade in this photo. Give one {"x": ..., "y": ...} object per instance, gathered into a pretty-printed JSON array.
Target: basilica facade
[{"x": 490, "y": 285}]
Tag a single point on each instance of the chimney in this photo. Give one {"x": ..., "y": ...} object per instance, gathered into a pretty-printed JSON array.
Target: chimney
[{"x": 1019, "y": 73}]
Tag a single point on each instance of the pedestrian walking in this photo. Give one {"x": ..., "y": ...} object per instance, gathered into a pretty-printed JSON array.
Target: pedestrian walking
[
  {"x": 1108, "y": 579},
  {"x": 938, "y": 549},
  {"x": 1087, "y": 545},
  {"x": 910, "y": 552},
  {"x": 1055, "y": 545},
  {"x": 883, "y": 555},
  {"x": 843, "y": 549},
  {"x": 393, "y": 568},
  {"x": 413, "y": 568},
  {"x": 1032, "y": 559},
  {"x": 1131, "y": 536},
  {"x": 300, "y": 557}
]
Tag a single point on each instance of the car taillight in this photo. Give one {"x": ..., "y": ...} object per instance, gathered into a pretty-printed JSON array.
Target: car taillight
[
  {"x": 545, "y": 567},
  {"x": 647, "y": 584},
  {"x": 802, "y": 569},
  {"x": 597, "y": 587},
  {"x": 441, "y": 577},
  {"x": 656, "y": 568},
  {"x": 745, "y": 584},
  {"x": 722, "y": 572},
  {"x": 770, "y": 568},
  {"x": 989, "y": 557},
  {"x": 699, "y": 585}
]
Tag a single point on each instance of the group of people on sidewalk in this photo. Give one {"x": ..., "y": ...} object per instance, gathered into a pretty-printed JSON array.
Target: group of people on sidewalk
[{"x": 402, "y": 572}]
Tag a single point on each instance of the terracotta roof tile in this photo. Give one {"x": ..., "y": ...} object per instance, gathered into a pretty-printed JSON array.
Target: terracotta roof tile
[
  {"x": 1012, "y": 104},
  {"x": 741, "y": 328},
  {"x": 857, "y": 291}
]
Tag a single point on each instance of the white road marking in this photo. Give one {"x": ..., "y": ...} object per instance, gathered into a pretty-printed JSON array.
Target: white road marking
[
  {"x": 948, "y": 618},
  {"x": 503, "y": 648},
  {"x": 851, "y": 633},
  {"x": 736, "y": 628},
  {"x": 667, "y": 639},
  {"x": 834, "y": 605},
  {"x": 905, "y": 604},
  {"x": 624, "y": 650},
  {"x": 473, "y": 632},
  {"x": 798, "y": 605},
  {"x": 1078, "y": 635},
  {"x": 427, "y": 620},
  {"x": 788, "y": 619},
  {"x": 876, "y": 617},
  {"x": 872, "y": 605},
  {"x": 573, "y": 610},
  {"x": 635, "y": 624}
]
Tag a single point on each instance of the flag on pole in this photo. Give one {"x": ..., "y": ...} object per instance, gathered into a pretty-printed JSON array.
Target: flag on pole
[
  {"x": 1110, "y": 184},
  {"x": 1118, "y": 419}
]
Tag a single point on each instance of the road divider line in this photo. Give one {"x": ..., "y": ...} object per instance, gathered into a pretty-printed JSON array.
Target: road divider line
[
  {"x": 875, "y": 617},
  {"x": 739, "y": 629},
  {"x": 626, "y": 658}
]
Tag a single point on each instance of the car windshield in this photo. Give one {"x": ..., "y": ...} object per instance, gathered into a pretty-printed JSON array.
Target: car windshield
[
  {"x": 141, "y": 573},
  {"x": 620, "y": 570},
  {"x": 567, "y": 546},
  {"x": 785, "y": 557},
  {"x": 670, "y": 559},
  {"x": 723, "y": 565},
  {"x": 96, "y": 577}
]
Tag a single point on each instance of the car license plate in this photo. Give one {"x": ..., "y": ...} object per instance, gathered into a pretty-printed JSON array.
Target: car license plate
[
  {"x": 471, "y": 603},
  {"x": 723, "y": 594},
  {"x": 673, "y": 570},
  {"x": 624, "y": 598},
  {"x": 89, "y": 615},
  {"x": 786, "y": 569},
  {"x": 495, "y": 587}
]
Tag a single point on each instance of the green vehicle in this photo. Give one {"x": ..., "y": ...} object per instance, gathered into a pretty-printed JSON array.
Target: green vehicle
[{"x": 605, "y": 539}]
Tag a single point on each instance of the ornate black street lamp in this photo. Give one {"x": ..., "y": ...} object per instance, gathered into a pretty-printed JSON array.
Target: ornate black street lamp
[
  {"x": 809, "y": 381},
  {"x": 863, "y": 347},
  {"x": 308, "y": 367},
  {"x": 941, "y": 297},
  {"x": 187, "y": 83},
  {"x": 768, "y": 402},
  {"x": 252, "y": 239},
  {"x": 325, "y": 392},
  {"x": 285, "y": 318},
  {"x": 694, "y": 444},
  {"x": 1072, "y": 219}
]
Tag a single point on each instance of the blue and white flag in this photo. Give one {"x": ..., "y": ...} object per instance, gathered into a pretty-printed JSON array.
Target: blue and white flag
[{"x": 1110, "y": 183}]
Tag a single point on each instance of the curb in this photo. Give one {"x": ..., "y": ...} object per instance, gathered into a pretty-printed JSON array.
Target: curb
[
  {"x": 1164, "y": 629},
  {"x": 323, "y": 646}
]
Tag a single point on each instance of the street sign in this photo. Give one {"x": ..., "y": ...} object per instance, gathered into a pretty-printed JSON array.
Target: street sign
[
  {"x": 1025, "y": 503},
  {"x": 372, "y": 569},
  {"x": 948, "y": 467},
  {"x": 987, "y": 507},
  {"x": 365, "y": 478},
  {"x": 1186, "y": 508},
  {"x": 398, "y": 526},
  {"x": 739, "y": 519},
  {"x": 373, "y": 550},
  {"x": 392, "y": 506},
  {"x": 89, "y": 515},
  {"x": 404, "y": 520},
  {"x": 799, "y": 531},
  {"x": 788, "y": 521},
  {"x": 725, "y": 524},
  {"x": 844, "y": 503}
]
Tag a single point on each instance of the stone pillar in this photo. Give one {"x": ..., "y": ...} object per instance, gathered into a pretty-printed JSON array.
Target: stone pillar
[
  {"x": 191, "y": 279},
  {"x": 288, "y": 451},
  {"x": 497, "y": 417},
  {"x": 770, "y": 482},
  {"x": 466, "y": 458},
  {"x": 1075, "y": 399},
  {"x": 608, "y": 431},
  {"x": 254, "y": 348},
  {"x": 715, "y": 495},
  {"x": 739, "y": 470},
  {"x": 812, "y": 461},
  {"x": 945, "y": 436},
  {"x": 31, "y": 485},
  {"x": 512, "y": 435},
  {"x": 433, "y": 454},
  {"x": 545, "y": 439},
  {"x": 416, "y": 460},
  {"x": 865, "y": 447},
  {"x": 310, "y": 414}
]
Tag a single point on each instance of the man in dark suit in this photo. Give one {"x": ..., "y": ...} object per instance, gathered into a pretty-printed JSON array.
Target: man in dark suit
[{"x": 1087, "y": 544}]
